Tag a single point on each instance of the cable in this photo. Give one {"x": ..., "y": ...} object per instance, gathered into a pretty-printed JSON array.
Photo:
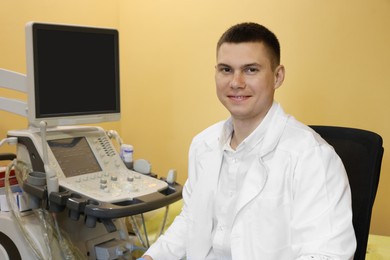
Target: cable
[
  {"x": 16, "y": 214},
  {"x": 45, "y": 219},
  {"x": 136, "y": 230},
  {"x": 145, "y": 232},
  {"x": 9, "y": 140},
  {"x": 114, "y": 134},
  {"x": 51, "y": 176},
  {"x": 163, "y": 223},
  {"x": 12, "y": 202}
]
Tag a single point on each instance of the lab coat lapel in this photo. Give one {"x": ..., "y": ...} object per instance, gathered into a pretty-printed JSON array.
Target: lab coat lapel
[
  {"x": 253, "y": 184},
  {"x": 209, "y": 163},
  {"x": 256, "y": 177}
]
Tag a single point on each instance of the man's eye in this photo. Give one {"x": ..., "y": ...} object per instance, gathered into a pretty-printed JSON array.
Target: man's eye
[
  {"x": 251, "y": 70},
  {"x": 225, "y": 70}
]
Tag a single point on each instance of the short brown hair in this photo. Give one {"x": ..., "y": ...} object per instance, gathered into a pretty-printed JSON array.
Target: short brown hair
[{"x": 253, "y": 32}]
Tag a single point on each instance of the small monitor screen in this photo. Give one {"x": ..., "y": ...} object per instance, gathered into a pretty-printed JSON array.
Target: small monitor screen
[
  {"x": 74, "y": 155},
  {"x": 75, "y": 71}
]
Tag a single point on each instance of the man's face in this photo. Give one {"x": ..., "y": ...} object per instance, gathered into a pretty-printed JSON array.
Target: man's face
[{"x": 245, "y": 80}]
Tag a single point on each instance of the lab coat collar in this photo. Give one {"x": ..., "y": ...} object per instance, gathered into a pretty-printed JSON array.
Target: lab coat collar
[
  {"x": 272, "y": 134},
  {"x": 274, "y": 131}
]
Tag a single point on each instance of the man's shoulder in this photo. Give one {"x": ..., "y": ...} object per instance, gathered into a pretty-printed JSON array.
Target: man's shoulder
[
  {"x": 300, "y": 135},
  {"x": 213, "y": 130}
]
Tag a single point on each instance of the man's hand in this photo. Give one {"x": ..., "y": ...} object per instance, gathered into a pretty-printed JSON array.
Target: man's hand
[{"x": 145, "y": 257}]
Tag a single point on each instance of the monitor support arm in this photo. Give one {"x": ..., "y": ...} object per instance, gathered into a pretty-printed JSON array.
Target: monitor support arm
[{"x": 14, "y": 81}]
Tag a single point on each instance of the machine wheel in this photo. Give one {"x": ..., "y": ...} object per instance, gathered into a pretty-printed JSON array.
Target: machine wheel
[{"x": 11, "y": 251}]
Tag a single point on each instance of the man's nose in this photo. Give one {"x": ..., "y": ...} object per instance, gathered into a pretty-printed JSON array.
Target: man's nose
[{"x": 238, "y": 81}]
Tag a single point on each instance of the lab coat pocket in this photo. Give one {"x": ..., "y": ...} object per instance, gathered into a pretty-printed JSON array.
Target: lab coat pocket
[{"x": 271, "y": 222}]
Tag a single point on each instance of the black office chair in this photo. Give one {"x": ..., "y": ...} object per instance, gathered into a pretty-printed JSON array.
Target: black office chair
[{"x": 361, "y": 152}]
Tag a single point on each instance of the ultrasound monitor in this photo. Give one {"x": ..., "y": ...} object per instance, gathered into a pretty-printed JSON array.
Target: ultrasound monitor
[{"x": 72, "y": 74}]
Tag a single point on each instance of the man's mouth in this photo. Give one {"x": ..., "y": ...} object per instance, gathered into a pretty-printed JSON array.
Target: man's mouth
[{"x": 238, "y": 98}]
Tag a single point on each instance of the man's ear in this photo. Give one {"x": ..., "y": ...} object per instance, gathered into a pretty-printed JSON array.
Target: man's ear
[{"x": 279, "y": 76}]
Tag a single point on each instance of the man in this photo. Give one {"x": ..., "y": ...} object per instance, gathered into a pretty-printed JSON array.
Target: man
[{"x": 261, "y": 185}]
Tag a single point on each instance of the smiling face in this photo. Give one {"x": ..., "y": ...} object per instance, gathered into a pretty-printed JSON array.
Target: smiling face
[{"x": 246, "y": 81}]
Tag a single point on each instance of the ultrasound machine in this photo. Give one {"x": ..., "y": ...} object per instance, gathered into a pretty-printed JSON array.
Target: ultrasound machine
[{"x": 68, "y": 193}]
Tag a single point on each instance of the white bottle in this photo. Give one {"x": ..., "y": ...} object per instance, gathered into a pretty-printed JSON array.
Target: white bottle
[{"x": 127, "y": 155}]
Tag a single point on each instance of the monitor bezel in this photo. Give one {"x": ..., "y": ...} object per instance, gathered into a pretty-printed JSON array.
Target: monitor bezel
[{"x": 65, "y": 119}]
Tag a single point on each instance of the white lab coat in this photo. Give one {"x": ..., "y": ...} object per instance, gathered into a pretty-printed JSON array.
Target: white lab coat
[{"x": 295, "y": 201}]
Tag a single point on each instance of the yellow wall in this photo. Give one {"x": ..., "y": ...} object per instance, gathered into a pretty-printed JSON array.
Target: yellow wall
[{"x": 336, "y": 54}]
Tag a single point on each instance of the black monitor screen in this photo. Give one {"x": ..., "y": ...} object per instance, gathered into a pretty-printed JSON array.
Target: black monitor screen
[{"x": 76, "y": 70}]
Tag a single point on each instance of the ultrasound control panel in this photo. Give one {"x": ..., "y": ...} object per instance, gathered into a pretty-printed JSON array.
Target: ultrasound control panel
[
  {"x": 86, "y": 162},
  {"x": 113, "y": 186}
]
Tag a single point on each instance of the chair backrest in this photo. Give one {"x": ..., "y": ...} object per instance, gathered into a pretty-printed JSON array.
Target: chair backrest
[{"x": 361, "y": 152}]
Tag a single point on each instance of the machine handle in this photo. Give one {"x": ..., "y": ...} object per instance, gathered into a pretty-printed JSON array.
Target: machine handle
[
  {"x": 135, "y": 206},
  {"x": 7, "y": 156},
  {"x": 93, "y": 209}
]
